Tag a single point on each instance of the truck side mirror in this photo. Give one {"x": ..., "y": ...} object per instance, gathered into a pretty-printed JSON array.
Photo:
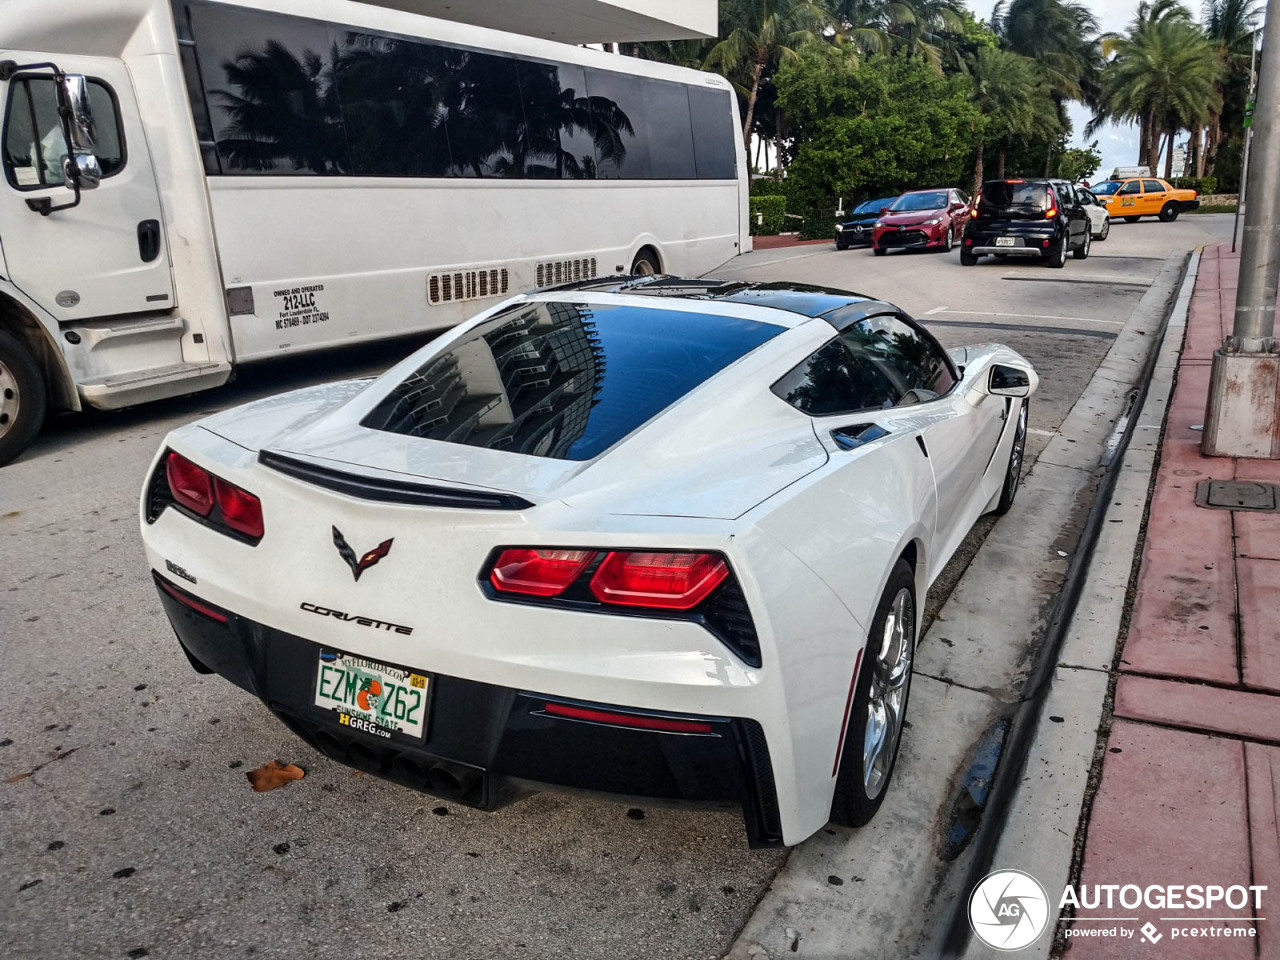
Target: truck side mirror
[
  {"x": 83, "y": 170},
  {"x": 82, "y": 130}
]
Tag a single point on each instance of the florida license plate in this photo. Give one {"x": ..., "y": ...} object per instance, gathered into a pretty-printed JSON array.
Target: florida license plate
[
  {"x": 372, "y": 696},
  {"x": 1005, "y": 241}
]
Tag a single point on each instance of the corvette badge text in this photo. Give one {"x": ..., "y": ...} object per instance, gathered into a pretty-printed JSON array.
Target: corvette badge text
[
  {"x": 1009, "y": 910},
  {"x": 357, "y": 619}
]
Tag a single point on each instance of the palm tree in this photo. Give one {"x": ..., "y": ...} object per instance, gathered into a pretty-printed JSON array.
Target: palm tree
[
  {"x": 1231, "y": 25},
  {"x": 925, "y": 28},
  {"x": 1058, "y": 34},
  {"x": 1163, "y": 73},
  {"x": 760, "y": 33},
  {"x": 1005, "y": 85}
]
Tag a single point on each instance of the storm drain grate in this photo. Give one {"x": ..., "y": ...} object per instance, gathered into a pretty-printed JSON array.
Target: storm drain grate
[{"x": 1237, "y": 495}]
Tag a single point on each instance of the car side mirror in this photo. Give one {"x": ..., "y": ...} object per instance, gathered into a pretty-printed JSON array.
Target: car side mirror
[{"x": 1006, "y": 381}]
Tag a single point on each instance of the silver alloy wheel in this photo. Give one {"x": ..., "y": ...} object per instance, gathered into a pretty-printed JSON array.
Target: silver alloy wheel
[
  {"x": 887, "y": 701},
  {"x": 10, "y": 399},
  {"x": 1014, "y": 476},
  {"x": 951, "y": 238},
  {"x": 1106, "y": 229}
]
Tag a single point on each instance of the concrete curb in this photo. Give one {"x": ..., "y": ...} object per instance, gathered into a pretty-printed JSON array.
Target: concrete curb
[
  {"x": 1039, "y": 833},
  {"x": 972, "y": 666}
]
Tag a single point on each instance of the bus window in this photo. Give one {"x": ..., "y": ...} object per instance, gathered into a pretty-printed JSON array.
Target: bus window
[{"x": 715, "y": 141}]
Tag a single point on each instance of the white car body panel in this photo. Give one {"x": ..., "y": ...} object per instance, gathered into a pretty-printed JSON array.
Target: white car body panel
[{"x": 810, "y": 530}]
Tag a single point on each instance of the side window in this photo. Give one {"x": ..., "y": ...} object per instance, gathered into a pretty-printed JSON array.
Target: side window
[
  {"x": 1130, "y": 188},
  {"x": 34, "y": 142},
  {"x": 901, "y": 354},
  {"x": 836, "y": 380},
  {"x": 715, "y": 141},
  {"x": 1153, "y": 186}
]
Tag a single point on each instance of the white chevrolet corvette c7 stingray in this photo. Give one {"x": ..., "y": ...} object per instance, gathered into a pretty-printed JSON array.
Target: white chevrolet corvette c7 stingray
[{"x": 647, "y": 536}]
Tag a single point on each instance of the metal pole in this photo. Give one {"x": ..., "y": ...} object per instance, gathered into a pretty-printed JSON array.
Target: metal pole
[
  {"x": 1248, "y": 141},
  {"x": 1260, "y": 250}
]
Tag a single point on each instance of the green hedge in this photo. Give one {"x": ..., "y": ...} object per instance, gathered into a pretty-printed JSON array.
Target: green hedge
[
  {"x": 1198, "y": 184},
  {"x": 768, "y": 215}
]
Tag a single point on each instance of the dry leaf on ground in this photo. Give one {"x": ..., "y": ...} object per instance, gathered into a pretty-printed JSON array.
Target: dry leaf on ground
[{"x": 274, "y": 774}]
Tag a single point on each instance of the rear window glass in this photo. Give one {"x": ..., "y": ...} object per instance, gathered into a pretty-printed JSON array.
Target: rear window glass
[
  {"x": 564, "y": 380},
  {"x": 1000, "y": 195}
]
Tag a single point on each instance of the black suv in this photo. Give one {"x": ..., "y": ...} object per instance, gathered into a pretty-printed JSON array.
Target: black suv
[{"x": 1027, "y": 218}]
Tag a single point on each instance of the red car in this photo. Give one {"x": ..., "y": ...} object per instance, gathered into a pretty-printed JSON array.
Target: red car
[{"x": 922, "y": 219}]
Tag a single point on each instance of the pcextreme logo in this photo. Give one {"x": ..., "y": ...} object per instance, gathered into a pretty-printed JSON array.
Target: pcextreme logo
[{"x": 1009, "y": 911}]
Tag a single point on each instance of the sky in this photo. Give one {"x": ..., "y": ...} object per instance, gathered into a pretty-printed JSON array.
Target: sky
[{"x": 1118, "y": 144}]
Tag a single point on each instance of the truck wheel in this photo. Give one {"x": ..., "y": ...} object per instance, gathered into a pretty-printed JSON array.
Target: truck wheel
[
  {"x": 23, "y": 398},
  {"x": 1169, "y": 212},
  {"x": 645, "y": 264}
]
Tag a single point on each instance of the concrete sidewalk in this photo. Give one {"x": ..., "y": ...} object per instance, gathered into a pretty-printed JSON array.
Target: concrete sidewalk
[{"x": 1190, "y": 782}]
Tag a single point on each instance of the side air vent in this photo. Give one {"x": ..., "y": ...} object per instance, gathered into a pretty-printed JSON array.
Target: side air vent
[
  {"x": 390, "y": 491},
  {"x": 565, "y": 271},
  {"x": 467, "y": 285}
]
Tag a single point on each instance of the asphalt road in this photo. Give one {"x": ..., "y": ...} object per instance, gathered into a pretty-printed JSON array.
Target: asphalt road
[{"x": 126, "y": 823}]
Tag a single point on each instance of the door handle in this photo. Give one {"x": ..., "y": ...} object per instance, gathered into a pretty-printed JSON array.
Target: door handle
[{"x": 149, "y": 240}]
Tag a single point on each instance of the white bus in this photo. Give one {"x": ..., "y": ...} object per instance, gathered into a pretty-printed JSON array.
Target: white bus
[{"x": 190, "y": 185}]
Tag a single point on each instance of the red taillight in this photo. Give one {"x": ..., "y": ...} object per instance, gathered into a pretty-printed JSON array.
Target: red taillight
[
  {"x": 538, "y": 573},
  {"x": 241, "y": 510},
  {"x": 668, "y": 581},
  {"x": 1053, "y": 205},
  {"x": 191, "y": 486},
  {"x": 638, "y": 721}
]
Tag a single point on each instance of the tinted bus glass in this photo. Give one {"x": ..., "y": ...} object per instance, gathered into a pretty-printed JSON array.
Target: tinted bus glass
[
  {"x": 564, "y": 380},
  {"x": 715, "y": 141},
  {"x": 276, "y": 94}
]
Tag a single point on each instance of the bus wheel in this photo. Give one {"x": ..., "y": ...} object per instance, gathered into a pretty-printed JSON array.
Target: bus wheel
[
  {"x": 22, "y": 398},
  {"x": 645, "y": 264}
]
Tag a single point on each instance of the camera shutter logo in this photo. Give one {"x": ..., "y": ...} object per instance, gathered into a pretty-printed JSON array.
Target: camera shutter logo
[{"x": 1009, "y": 910}]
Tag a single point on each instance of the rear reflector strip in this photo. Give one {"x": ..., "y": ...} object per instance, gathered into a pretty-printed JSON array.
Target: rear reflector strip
[
  {"x": 635, "y": 721},
  {"x": 191, "y": 602}
]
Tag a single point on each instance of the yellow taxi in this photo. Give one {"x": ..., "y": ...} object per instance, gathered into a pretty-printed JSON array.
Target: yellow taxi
[{"x": 1136, "y": 197}]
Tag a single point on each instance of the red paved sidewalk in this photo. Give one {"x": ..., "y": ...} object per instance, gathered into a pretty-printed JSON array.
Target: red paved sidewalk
[
  {"x": 784, "y": 240},
  {"x": 1191, "y": 777}
]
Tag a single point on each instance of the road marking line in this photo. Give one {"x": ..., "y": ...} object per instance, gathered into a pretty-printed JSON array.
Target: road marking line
[
  {"x": 1077, "y": 278},
  {"x": 1022, "y": 316},
  {"x": 1042, "y": 433}
]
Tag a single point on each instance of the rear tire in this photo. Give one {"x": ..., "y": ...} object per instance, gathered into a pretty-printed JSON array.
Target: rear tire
[
  {"x": 1132, "y": 219},
  {"x": 1057, "y": 256},
  {"x": 1013, "y": 473},
  {"x": 1082, "y": 252},
  {"x": 645, "y": 264},
  {"x": 875, "y": 723},
  {"x": 23, "y": 398},
  {"x": 1169, "y": 212},
  {"x": 968, "y": 258}
]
